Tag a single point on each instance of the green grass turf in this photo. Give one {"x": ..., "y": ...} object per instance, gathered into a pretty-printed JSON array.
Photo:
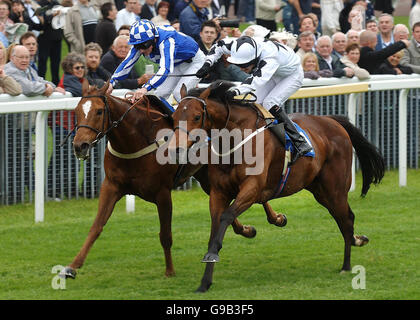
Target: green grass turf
[{"x": 300, "y": 261}]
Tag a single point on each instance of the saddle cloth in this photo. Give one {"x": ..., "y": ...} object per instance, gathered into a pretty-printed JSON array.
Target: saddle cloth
[{"x": 288, "y": 145}]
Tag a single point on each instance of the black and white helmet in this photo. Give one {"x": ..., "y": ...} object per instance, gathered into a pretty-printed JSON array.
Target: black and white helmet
[{"x": 244, "y": 51}]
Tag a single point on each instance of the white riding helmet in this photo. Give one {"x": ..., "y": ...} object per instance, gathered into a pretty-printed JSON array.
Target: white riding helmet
[{"x": 244, "y": 50}]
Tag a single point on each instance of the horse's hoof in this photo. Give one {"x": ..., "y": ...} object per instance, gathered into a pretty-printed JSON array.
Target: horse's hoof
[
  {"x": 67, "y": 272},
  {"x": 250, "y": 232},
  {"x": 203, "y": 288},
  {"x": 360, "y": 241},
  {"x": 283, "y": 221},
  {"x": 170, "y": 273},
  {"x": 210, "y": 257}
]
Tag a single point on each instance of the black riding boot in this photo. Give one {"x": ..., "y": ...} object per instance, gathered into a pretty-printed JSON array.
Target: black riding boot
[{"x": 301, "y": 145}]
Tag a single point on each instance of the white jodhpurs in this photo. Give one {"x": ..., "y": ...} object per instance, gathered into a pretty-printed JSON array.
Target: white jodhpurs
[
  {"x": 277, "y": 90},
  {"x": 172, "y": 85}
]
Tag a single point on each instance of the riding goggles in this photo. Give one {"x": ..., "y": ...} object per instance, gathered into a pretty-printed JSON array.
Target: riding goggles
[
  {"x": 144, "y": 45},
  {"x": 246, "y": 65}
]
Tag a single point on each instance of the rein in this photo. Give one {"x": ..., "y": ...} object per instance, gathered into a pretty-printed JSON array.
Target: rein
[
  {"x": 205, "y": 113},
  {"x": 114, "y": 124}
]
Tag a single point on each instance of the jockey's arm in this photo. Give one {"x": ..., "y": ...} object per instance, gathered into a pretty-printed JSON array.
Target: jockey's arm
[
  {"x": 220, "y": 48},
  {"x": 125, "y": 67},
  {"x": 166, "y": 65}
]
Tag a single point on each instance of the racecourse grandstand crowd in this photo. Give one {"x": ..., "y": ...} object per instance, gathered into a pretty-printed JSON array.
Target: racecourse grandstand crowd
[{"x": 334, "y": 38}]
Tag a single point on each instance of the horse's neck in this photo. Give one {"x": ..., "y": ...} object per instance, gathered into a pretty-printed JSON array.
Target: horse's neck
[
  {"x": 127, "y": 136},
  {"x": 241, "y": 117}
]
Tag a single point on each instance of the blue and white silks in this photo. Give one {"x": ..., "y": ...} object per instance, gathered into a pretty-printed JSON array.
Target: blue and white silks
[{"x": 172, "y": 49}]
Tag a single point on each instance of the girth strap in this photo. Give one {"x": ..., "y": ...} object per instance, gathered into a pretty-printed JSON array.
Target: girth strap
[{"x": 138, "y": 154}]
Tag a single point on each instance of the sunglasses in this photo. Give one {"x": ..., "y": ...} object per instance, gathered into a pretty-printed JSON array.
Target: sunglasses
[{"x": 79, "y": 67}]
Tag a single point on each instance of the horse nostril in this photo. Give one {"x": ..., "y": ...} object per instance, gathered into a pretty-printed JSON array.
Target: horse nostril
[{"x": 81, "y": 149}]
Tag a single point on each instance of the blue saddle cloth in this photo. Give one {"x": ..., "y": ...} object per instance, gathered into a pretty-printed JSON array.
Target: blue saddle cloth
[{"x": 289, "y": 145}]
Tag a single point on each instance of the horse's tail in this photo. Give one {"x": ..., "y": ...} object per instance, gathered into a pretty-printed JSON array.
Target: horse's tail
[{"x": 371, "y": 161}]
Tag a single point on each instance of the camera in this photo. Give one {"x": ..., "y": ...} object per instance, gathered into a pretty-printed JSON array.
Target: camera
[{"x": 232, "y": 23}]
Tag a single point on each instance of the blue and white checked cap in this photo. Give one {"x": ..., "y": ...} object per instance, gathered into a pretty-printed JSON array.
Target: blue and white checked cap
[{"x": 142, "y": 31}]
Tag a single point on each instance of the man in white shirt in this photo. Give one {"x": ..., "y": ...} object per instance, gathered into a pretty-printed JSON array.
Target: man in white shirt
[{"x": 128, "y": 14}]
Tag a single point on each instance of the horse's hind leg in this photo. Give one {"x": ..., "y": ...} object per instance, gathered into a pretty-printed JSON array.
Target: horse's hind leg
[
  {"x": 108, "y": 196},
  {"x": 164, "y": 206},
  {"x": 337, "y": 205}
]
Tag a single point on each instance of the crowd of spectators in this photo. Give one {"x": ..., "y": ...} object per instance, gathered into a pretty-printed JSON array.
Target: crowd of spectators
[{"x": 334, "y": 38}]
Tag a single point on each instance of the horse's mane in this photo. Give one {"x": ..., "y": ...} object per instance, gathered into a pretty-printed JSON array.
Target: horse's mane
[{"x": 218, "y": 92}]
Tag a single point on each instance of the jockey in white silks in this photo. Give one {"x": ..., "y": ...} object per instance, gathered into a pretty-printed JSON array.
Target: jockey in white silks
[{"x": 275, "y": 74}]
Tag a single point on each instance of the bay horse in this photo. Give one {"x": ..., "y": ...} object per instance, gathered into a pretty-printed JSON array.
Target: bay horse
[
  {"x": 232, "y": 191},
  {"x": 131, "y": 166}
]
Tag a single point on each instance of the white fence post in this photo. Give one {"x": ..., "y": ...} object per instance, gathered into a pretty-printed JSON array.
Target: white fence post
[
  {"x": 402, "y": 138},
  {"x": 40, "y": 133},
  {"x": 351, "y": 110},
  {"x": 129, "y": 203}
]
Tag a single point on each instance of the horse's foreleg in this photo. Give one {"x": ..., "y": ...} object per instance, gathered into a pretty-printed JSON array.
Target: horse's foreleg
[
  {"x": 109, "y": 195},
  {"x": 218, "y": 203},
  {"x": 245, "y": 198},
  {"x": 244, "y": 230},
  {"x": 164, "y": 206},
  {"x": 273, "y": 217}
]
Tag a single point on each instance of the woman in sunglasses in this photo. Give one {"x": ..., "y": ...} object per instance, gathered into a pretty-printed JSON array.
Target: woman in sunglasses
[
  {"x": 176, "y": 53},
  {"x": 74, "y": 66},
  {"x": 275, "y": 74}
]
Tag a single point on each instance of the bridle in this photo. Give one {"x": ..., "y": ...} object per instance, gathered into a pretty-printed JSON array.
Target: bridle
[
  {"x": 204, "y": 116},
  {"x": 112, "y": 124}
]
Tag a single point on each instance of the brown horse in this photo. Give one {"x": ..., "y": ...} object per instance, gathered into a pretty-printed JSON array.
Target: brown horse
[
  {"x": 327, "y": 175},
  {"x": 131, "y": 166}
]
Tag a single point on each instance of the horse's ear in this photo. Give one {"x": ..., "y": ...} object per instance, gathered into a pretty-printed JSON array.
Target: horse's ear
[
  {"x": 204, "y": 95},
  {"x": 104, "y": 87},
  {"x": 183, "y": 91},
  {"x": 85, "y": 87}
]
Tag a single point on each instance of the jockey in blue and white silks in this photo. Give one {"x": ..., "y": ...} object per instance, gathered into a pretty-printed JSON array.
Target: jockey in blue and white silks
[{"x": 175, "y": 52}]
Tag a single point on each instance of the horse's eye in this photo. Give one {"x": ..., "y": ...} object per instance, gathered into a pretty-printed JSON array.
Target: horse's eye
[
  {"x": 196, "y": 118},
  {"x": 99, "y": 112}
]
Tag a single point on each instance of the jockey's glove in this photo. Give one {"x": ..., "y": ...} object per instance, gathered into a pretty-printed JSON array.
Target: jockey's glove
[
  {"x": 203, "y": 71},
  {"x": 232, "y": 93}
]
